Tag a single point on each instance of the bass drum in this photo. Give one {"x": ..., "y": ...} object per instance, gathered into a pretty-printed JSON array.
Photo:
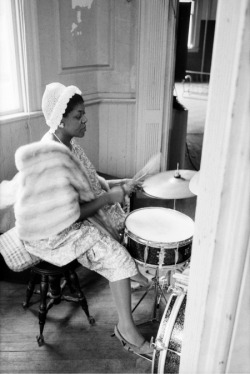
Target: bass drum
[{"x": 167, "y": 353}]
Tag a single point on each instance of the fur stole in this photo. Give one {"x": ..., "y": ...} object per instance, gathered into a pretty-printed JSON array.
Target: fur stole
[{"x": 52, "y": 182}]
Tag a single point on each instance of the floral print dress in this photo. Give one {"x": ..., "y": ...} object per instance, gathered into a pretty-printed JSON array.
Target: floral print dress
[{"x": 84, "y": 241}]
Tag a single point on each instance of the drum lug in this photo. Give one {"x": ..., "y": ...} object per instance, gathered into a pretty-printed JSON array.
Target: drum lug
[
  {"x": 178, "y": 290},
  {"x": 177, "y": 254},
  {"x": 145, "y": 255},
  {"x": 125, "y": 239},
  {"x": 161, "y": 257},
  {"x": 158, "y": 345}
]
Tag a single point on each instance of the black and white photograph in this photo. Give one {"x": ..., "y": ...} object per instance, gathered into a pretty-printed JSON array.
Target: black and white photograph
[{"x": 125, "y": 186}]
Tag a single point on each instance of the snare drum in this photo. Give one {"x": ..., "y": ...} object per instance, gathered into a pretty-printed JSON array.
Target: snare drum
[
  {"x": 168, "y": 343},
  {"x": 158, "y": 237}
]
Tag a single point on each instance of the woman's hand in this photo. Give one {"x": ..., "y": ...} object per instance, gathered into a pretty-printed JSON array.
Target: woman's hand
[
  {"x": 117, "y": 194},
  {"x": 126, "y": 181},
  {"x": 104, "y": 184},
  {"x": 118, "y": 182}
]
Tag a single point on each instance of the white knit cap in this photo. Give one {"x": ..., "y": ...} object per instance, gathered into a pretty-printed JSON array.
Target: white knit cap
[{"x": 54, "y": 102}]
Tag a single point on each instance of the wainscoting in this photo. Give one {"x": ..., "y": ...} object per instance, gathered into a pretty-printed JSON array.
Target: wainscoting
[{"x": 117, "y": 138}]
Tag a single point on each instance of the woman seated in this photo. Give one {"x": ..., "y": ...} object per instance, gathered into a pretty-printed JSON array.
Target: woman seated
[{"x": 98, "y": 245}]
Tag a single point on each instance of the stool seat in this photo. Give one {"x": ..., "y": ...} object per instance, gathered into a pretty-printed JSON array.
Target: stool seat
[{"x": 53, "y": 280}]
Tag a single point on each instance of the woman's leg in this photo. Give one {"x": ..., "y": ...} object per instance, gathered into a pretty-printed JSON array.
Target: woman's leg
[
  {"x": 121, "y": 292},
  {"x": 140, "y": 278}
]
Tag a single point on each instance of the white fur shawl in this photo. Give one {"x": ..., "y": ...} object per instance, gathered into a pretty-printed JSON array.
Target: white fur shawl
[{"x": 51, "y": 184}]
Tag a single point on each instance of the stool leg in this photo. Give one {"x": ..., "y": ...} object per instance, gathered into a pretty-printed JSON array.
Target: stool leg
[
  {"x": 72, "y": 277},
  {"x": 44, "y": 285},
  {"x": 30, "y": 289},
  {"x": 54, "y": 290}
]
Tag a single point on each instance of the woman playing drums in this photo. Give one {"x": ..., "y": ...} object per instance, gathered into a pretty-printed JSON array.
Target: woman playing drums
[{"x": 98, "y": 245}]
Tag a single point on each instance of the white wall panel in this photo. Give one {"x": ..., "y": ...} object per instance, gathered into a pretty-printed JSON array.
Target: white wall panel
[
  {"x": 153, "y": 85},
  {"x": 117, "y": 138},
  {"x": 14, "y": 134}
]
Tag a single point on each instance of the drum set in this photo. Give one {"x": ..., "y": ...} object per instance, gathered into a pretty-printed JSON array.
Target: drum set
[{"x": 160, "y": 241}]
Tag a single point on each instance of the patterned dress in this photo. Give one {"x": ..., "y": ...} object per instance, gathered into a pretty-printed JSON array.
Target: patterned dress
[{"x": 84, "y": 241}]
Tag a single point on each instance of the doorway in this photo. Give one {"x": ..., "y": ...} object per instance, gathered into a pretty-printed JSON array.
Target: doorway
[{"x": 194, "y": 48}]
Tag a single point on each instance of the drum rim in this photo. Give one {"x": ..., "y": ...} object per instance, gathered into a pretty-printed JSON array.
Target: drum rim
[
  {"x": 167, "y": 328},
  {"x": 161, "y": 208},
  {"x": 166, "y": 267},
  {"x": 155, "y": 244},
  {"x": 160, "y": 245}
]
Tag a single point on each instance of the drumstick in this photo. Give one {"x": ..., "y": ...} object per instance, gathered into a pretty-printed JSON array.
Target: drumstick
[
  {"x": 151, "y": 167},
  {"x": 139, "y": 178}
]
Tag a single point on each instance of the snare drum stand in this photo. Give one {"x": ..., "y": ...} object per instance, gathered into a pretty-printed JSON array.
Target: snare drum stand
[{"x": 159, "y": 283}]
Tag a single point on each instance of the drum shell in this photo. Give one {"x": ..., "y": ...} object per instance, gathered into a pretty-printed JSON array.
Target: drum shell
[
  {"x": 170, "y": 334},
  {"x": 172, "y": 256}
]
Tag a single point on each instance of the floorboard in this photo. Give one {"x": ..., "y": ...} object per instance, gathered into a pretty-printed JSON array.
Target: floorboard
[{"x": 72, "y": 345}]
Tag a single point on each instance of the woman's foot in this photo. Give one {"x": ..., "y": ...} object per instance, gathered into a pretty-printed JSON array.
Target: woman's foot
[{"x": 140, "y": 346}]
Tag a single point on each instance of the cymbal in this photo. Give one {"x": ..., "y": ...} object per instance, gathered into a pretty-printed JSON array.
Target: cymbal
[
  {"x": 194, "y": 183},
  {"x": 172, "y": 184}
]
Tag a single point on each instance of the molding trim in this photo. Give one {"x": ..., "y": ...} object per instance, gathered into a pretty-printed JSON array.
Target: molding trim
[
  {"x": 90, "y": 99},
  {"x": 33, "y": 54},
  {"x": 19, "y": 117}
]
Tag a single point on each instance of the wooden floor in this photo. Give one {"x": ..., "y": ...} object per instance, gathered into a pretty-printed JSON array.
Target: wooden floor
[{"x": 72, "y": 345}]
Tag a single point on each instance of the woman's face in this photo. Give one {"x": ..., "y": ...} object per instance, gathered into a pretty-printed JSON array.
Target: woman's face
[{"x": 75, "y": 121}]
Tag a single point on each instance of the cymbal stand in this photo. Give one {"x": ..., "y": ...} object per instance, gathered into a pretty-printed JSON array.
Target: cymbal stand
[{"x": 176, "y": 175}]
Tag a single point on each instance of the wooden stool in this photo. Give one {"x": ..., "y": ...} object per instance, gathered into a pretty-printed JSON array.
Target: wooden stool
[{"x": 52, "y": 287}]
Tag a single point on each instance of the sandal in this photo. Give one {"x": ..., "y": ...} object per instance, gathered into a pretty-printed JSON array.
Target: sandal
[{"x": 144, "y": 349}]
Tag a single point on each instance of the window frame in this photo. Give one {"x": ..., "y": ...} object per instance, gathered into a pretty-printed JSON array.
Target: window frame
[
  {"x": 25, "y": 22},
  {"x": 15, "y": 30}
]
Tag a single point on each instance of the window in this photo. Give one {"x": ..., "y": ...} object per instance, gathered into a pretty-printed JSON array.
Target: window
[
  {"x": 191, "y": 33},
  {"x": 20, "y": 80},
  {"x": 11, "y": 95},
  {"x": 192, "y": 23}
]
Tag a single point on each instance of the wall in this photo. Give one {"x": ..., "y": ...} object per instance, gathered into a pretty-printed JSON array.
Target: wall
[
  {"x": 99, "y": 57},
  {"x": 13, "y": 134},
  {"x": 92, "y": 44},
  {"x": 117, "y": 138}
]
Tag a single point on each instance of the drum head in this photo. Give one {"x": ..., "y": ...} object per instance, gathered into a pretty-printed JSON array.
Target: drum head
[{"x": 160, "y": 225}]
